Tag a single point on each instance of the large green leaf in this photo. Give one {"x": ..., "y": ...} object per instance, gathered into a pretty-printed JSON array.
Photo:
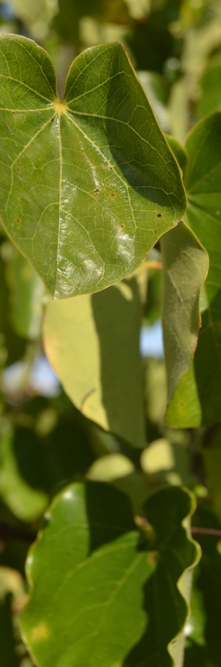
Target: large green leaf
[
  {"x": 103, "y": 592},
  {"x": 88, "y": 184},
  {"x": 93, "y": 344},
  {"x": 197, "y": 397}
]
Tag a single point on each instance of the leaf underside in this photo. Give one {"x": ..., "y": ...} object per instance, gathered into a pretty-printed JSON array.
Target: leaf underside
[{"x": 196, "y": 400}]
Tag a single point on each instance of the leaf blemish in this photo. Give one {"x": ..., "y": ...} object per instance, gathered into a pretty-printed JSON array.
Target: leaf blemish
[
  {"x": 152, "y": 558},
  {"x": 159, "y": 215},
  {"x": 96, "y": 191}
]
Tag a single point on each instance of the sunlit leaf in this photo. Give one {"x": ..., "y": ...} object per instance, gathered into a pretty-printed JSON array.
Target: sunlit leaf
[
  {"x": 96, "y": 578},
  {"x": 88, "y": 184},
  {"x": 92, "y": 343}
]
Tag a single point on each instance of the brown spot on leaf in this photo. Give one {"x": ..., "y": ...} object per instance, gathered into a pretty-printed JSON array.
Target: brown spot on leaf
[
  {"x": 85, "y": 398},
  {"x": 112, "y": 194},
  {"x": 159, "y": 215},
  {"x": 96, "y": 191}
]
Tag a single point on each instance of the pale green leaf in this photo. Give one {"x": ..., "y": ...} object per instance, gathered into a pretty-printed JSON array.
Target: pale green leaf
[
  {"x": 92, "y": 343},
  {"x": 168, "y": 463},
  {"x": 36, "y": 15},
  {"x": 120, "y": 471},
  {"x": 210, "y": 88},
  {"x": 103, "y": 592},
  {"x": 88, "y": 184}
]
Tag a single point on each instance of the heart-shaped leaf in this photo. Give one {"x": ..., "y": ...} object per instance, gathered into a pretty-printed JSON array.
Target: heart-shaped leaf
[
  {"x": 103, "y": 592},
  {"x": 88, "y": 184}
]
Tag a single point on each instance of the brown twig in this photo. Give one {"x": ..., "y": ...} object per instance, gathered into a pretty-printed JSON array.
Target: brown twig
[
  {"x": 207, "y": 532},
  {"x": 14, "y": 533}
]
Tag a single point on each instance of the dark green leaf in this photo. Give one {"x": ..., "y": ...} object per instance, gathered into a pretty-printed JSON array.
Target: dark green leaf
[{"x": 203, "y": 645}]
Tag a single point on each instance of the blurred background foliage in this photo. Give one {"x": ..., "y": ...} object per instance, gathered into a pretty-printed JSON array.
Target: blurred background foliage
[{"x": 45, "y": 442}]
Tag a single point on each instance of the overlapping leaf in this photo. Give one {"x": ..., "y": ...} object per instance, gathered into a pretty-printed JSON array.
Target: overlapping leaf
[
  {"x": 87, "y": 184},
  {"x": 185, "y": 266},
  {"x": 102, "y": 592},
  {"x": 197, "y": 397},
  {"x": 93, "y": 344}
]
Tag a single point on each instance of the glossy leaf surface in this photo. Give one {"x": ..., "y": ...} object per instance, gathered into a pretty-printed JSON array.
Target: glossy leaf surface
[
  {"x": 88, "y": 184},
  {"x": 92, "y": 343},
  {"x": 96, "y": 579}
]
